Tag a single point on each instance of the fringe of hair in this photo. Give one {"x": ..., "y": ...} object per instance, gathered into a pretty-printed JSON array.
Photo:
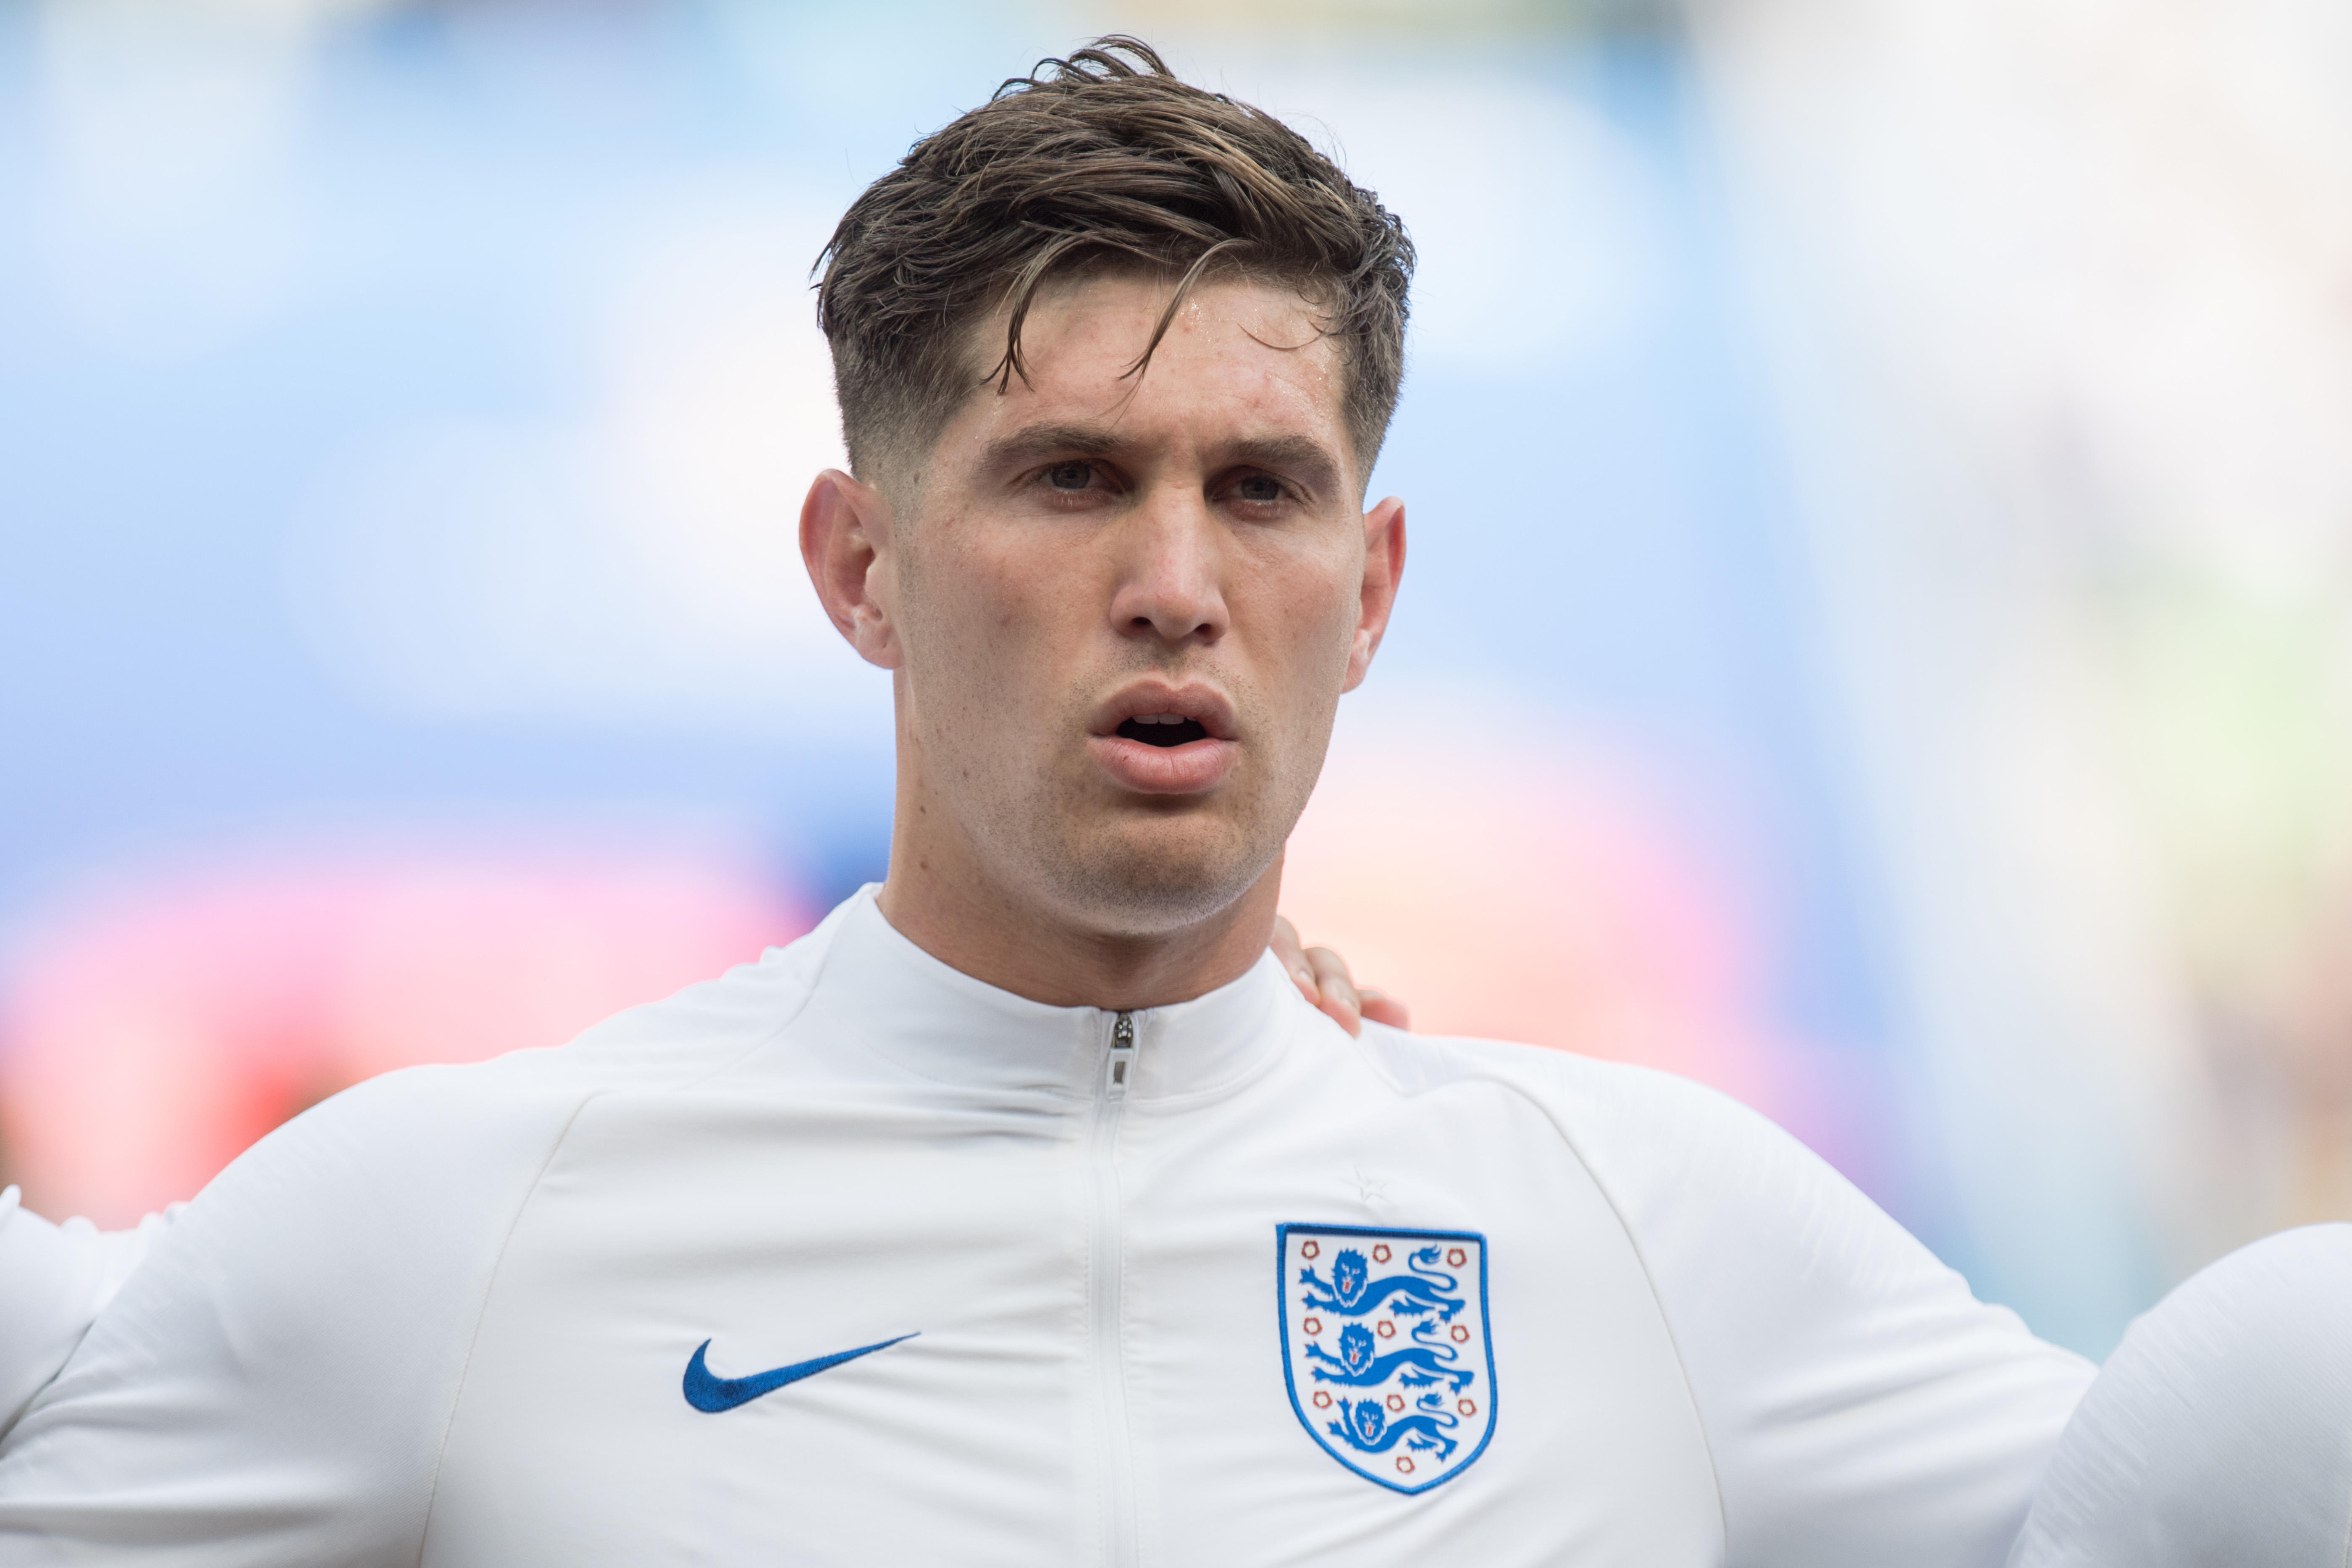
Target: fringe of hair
[{"x": 1102, "y": 160}]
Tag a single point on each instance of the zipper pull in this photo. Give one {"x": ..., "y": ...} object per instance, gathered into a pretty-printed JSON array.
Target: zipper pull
[{"x": 1122, "y": 1056}]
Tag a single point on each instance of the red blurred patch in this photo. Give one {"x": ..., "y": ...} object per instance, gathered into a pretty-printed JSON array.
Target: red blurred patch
[
  {"x": 150, "y": 1032},
  {"x": 1510, "y": 889}
]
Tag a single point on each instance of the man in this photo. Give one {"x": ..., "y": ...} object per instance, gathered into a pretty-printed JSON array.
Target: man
[{"x": 1023, "y": 1212}]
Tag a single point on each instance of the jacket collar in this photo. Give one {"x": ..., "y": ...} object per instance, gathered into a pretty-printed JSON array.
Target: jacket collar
[{"x": 932, "y": 1020}]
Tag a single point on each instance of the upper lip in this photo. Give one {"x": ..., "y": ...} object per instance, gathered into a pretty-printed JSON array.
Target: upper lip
[{"x": 1205, "y": 705}]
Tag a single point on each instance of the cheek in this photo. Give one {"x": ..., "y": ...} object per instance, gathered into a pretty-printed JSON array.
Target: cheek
[
  {"x": 1310, "y": 611},
  {"x": 992, "y": 610},
  {"x": 1029, "y": 597},
  {"x": 954, "y": 597}
]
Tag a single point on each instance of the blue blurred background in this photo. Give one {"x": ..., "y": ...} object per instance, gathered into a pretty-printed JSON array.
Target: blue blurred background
[{"x": 1877, "y": 637}]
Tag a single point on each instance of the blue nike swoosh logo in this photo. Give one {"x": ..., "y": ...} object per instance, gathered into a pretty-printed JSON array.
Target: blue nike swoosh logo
[{"x": 705, "y": 1391}]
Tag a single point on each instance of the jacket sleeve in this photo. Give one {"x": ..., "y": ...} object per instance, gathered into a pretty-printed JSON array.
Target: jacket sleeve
[
  {"x": 1863, "y": 1409},
  {"x": 54, "y": 1279},
  {"x": 271, "y": 1385}
]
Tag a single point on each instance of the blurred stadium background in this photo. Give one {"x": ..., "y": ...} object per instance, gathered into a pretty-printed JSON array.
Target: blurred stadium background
[{"x": 1879, "y": 637}]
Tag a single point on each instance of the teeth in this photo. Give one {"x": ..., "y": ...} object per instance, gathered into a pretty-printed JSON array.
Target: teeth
[{"x": 1159, "y": 718}]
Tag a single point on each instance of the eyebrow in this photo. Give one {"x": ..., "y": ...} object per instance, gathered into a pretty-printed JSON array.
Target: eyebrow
[
  {"x": 1310, "y": 459},
  {"x": 1039, "y": 441},
  {"x": 1313, "y": 463}
]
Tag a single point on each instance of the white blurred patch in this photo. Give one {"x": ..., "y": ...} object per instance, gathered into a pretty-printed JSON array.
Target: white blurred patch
[
  {"x": 2101, "y": 250},
  {"x": 1537, "y": 222},
  {"x": 639, "y": 565},
  {"x": 2057, "y": 291},
  {"x": 165, "y": 219}
]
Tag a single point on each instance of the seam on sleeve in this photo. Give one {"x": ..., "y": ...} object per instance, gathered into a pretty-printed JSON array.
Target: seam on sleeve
[
  {"x": 481, "y": 1311},
  {"x": 490, "y": 1280},
  {"x": 1477, "y": 1072}
]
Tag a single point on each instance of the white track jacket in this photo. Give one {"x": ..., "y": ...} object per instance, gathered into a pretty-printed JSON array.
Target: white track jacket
[{"x": 848, "y": 1258}]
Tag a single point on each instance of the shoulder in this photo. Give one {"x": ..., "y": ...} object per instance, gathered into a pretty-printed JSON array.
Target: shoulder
[
  {"x": 352, "y": 1251},
  {"x": 412, "y": 1129},
  {"x": 1860, "y": 1403},
  {"x": 431, "y": 1161},
  {"x": 1624, "y": 1121},
  {"x": 1705, "y": 1187},
  {"x": 1708, "y": 1188},
  {"x": 700, "y": 1030},
  {"x": 348, "y": 1250},
  {"x": 1737, "y": 1221}
]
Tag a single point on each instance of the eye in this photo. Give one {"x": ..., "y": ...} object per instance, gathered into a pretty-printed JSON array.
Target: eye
[
  {"x": 1260, "y": 490},
  {"x": 1070, "y": 476}
]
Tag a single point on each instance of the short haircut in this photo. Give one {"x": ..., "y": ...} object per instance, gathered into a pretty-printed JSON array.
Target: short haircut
[{"x": 1104, "y": 161}]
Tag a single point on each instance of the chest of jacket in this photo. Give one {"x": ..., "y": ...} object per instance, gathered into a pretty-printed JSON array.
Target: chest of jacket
[{"x": 1308, "y": 1320}]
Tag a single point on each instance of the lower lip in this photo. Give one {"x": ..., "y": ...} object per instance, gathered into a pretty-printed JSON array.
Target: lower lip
[{"x": 1188, "y": 769}]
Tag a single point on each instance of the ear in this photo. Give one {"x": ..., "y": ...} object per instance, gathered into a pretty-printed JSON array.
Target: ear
[
  {"x": 1383, "y": 568},
  {"x": 845, "y": 539}
]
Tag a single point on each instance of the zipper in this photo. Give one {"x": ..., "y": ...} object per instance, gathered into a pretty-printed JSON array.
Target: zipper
[
  {"x": 1122, "y": 1059},
  {"x": 1110, "y": 1364}
]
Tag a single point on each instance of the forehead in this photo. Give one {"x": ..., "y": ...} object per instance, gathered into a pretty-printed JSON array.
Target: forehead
[{"x": 1241, "y": 358}]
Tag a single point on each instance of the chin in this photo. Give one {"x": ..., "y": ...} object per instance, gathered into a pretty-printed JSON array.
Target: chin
[{"x": 1155, "y": 881}]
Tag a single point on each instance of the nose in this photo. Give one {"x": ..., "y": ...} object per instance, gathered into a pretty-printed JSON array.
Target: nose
[{"x": 1171, "y": 566}]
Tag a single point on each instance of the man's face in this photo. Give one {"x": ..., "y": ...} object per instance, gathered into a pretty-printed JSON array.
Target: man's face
[{"x": 1125, "y": 608}]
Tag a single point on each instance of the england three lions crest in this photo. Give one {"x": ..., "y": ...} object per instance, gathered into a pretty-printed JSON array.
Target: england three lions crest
[{"x": 1385, "y": 1348}]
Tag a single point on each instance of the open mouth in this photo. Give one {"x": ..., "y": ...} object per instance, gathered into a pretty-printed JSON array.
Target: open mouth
[
  {"x": 1158, "y": 738},
  {"x": 1162, "y": 728}
]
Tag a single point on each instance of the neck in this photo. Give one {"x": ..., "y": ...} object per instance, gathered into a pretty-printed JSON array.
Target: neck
[{"x": 1012, "y": 943}]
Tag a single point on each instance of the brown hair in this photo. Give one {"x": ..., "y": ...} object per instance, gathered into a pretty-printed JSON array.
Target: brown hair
[{"x": 1101, "y": 160}]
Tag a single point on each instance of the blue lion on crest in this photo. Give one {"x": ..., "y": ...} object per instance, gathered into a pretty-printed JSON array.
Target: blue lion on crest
[
  {"x": 1358, "y": 1364},
  {"x": 1367, "y": 1429},
  {"x": 1352, "y": 1292}
]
